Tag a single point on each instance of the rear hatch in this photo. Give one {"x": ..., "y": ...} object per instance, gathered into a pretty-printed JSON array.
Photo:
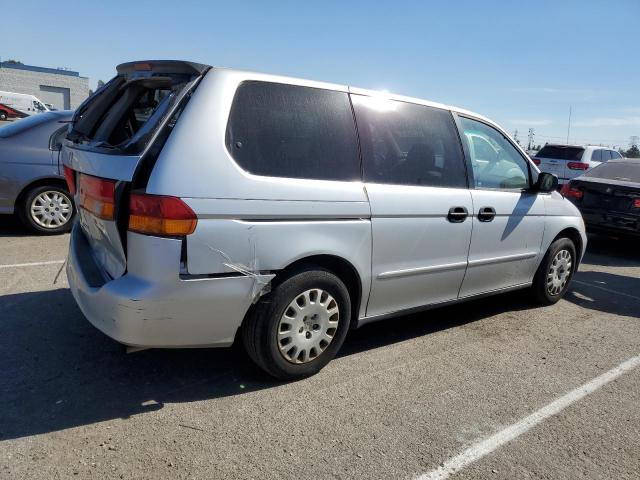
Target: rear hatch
[
  {"x": 555, "y": 159},
  {"x": 113, "y": 142}
]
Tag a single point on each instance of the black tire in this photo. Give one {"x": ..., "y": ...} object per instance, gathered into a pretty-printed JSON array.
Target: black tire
[
  {"x": 26, "y": 217},
  {"x": 542, "y": 291},
  {"x": 3, "y": 116},
  {"x": 260, "y": 329}
]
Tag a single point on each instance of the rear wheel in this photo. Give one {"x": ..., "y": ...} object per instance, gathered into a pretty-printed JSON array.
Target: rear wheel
[
  {"x": 47, "y": 210},
  {"x": 3, "y": 115},
  {"x": 295, "y": 330},
  {"x": 555, "y": 272}
]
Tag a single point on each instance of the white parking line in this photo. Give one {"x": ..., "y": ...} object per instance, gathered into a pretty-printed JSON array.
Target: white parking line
[
  {"x": 488, "y": 445},
  {"x": 32, "y": 264},
  {"x": 607, "y": 289}
]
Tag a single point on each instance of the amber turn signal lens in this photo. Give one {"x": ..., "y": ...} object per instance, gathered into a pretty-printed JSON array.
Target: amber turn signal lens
[{"x": 160, "y": 215}]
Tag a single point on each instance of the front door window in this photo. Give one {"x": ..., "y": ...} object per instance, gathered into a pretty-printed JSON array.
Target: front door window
[{"x": 496, "y": 163}]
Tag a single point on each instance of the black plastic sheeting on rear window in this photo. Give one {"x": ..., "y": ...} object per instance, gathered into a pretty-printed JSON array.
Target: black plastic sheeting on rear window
[
  {"x": 620, "y": 171},
  {"x": 561, "y": 153},
  {"x": 279, "y": 130}
]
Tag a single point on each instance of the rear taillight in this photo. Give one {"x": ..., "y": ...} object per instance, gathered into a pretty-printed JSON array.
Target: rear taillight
[
  {"x": 569, "y": 191},
  {"x": 636, "y": 203},
  {"x": 160, "y": 215},
  {"x": 536, "y": 161},
  {"x": 97, "y": 195},
  {"x": 70, "y": 177},
  {"x": 578, "y": 166}
]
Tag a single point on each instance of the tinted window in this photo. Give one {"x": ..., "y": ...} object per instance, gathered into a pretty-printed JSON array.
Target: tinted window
[
  {"x": 291, "y": 131},
  {"x": 615, "y": 155},
  {"x": 596, "y": 156},
  {"x": 621, "y": 171},
  {"x": 495, "y": 161},
  {"x": 408, "y": 144},
  {"x": 561, "y": 152}
]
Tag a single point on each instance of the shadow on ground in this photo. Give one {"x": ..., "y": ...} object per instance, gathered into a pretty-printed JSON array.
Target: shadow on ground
[
  {"x": 10, "y": 226},
  {"x": 612, "y": 252},
  {"x": 59, "y": 372},
  {"x": 606, "y": 292}
]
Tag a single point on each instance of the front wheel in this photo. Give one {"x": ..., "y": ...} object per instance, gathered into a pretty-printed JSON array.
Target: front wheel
[
  {"x": 3, "y": 116},
  {"x": 555, "y": 272},
  {"x": 295, "y": 330},
  {"x": 47, "y": 210}
]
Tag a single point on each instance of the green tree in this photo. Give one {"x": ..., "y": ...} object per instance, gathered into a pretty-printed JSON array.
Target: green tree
[{"x": 633, "y": 152}]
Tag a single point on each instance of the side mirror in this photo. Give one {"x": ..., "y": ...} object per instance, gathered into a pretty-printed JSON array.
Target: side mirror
[{"x": 547, "y": 182}]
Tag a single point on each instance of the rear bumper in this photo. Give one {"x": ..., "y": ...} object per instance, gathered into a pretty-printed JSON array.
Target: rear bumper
[
  {"x": 611, "y": 223},
  {"x": 151, "y": 306}
]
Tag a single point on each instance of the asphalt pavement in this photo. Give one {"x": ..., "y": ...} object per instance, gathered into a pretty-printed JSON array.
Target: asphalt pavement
[{"x": 411, "y": 396}]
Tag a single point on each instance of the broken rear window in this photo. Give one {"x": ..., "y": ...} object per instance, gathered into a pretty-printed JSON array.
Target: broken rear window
[{"x": 125, "y": 114}]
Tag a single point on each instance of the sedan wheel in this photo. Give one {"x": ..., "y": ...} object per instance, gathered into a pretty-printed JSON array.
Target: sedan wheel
[
  {"x": 51, "y": 209},
  {"x": 47, "y": 210}
]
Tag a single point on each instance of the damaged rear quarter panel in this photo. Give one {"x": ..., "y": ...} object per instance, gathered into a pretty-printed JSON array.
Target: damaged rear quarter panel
[{"x": 260, "y": 244}]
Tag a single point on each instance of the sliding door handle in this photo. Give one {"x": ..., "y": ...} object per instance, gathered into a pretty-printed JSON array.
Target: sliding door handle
[
  {"x": 457, "y": 214},
  {"x": 486, "y": 214}
]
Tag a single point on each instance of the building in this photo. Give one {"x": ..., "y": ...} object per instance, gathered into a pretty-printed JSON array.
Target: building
[{"x": 64, "y": 89}]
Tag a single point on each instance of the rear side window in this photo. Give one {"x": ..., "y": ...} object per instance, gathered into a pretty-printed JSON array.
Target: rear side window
[
  {"x": 561, "y": 152},
  {"x": 280, "y": 130},
  {"x": 596, "y": 156},
  {"x": 621, "y": 171},
  {"x": 408, "y": 144}
]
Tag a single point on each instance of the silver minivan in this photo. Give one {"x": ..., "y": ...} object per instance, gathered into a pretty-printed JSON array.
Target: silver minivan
[{"x": 218, "y": 205}]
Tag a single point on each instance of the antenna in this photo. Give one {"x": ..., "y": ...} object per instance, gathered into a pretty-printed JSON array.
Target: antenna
[{"x": 569, "y": 125}]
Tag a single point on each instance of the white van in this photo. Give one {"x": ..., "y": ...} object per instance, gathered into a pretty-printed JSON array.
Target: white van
[{"x": 24, "y": 103}]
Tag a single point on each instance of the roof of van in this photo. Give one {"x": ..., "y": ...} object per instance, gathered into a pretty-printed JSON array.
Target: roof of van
[
  {"x": 351, "y": 89},
  {"x": 193, "y": 67},
  {"x": 564, "y": 145}
]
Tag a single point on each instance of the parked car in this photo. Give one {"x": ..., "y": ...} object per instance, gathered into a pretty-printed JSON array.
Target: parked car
[
  {"x": 24, "y": 103},
  {"x": 32, "y": 183},
  {"x": 608, "y": 197},
  {"x": 569, "y": 161},
  {"x": 7, "y": 112},
  {"x": 218, "y": 204}
]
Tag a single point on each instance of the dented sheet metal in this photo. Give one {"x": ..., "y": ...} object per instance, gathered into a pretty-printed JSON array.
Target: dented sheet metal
[{"x": 261, "y": 282}]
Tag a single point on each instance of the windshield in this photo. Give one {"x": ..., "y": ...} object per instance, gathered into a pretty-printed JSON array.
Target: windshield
[
  {"x": 560, "y": 152},
  {"x": 25, "y": 124},
  {"x": 621, "y": 171}
]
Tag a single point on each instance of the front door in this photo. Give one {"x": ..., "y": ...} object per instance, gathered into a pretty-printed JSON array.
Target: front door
[
  {"x": 508, "y": 218},
  {"x": 420, "y": 204}
]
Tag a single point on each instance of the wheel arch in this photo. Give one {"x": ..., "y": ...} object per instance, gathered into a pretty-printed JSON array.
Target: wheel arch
[
  {"x": 574, "y": 235},
  {"x": 40, "y": 182},
  {"x": 341, "y": 267}
]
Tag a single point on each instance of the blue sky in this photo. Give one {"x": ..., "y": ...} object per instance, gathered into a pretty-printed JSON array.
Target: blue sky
[{"x": 520, "y": 63}]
